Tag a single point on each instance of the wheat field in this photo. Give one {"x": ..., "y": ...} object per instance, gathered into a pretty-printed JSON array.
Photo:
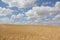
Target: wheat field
[{"x": 29, "y": 32}]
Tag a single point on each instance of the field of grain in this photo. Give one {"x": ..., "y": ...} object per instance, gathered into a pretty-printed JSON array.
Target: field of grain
[{"x": 29, "y": 32}]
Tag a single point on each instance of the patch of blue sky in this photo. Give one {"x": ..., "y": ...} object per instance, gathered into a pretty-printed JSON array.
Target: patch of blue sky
[
  {"x": 46, "y": 2},
  {"x": 16, "y": 10},
  {"x": 2, "y": 4},
  {"x": 19, "y": 10}
]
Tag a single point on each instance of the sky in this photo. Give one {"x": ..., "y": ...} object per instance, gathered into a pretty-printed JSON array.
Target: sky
[{"x": 44, "y": 12}]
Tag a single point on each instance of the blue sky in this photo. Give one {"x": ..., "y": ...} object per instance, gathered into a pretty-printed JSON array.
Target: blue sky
[
  {"x": 45, "y": 12},
  {"x": 38, "y": 2},
  {"x": 49, "y": 2}
]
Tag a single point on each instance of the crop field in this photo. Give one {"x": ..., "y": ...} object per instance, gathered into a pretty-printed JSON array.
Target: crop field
[{"x": 29, "y": 32}]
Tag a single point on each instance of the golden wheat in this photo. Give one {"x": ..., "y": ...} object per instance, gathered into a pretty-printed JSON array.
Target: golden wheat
[{"x": 29, "y": 32}]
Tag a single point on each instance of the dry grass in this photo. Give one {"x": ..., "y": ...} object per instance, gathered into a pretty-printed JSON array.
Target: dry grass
[{"x": 29, "y": 32}]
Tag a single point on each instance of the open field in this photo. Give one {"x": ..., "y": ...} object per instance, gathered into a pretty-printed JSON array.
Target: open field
[{"x": 29, "y": 32}]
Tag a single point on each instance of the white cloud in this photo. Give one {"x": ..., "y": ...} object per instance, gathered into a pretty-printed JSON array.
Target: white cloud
[
  {"x": 57, "y": 5},
  {"x": 37, "y": 13},
  {"x": 20, "y": 3},
  {"x": 20, "y": 15},
  {"x": 21, "y": 23},
  {"x": 13, "y": 17},
  {"x": 57, "y": 17},
  {"x": 4, "y": 11},
  {"x": 4, "y": 20}
]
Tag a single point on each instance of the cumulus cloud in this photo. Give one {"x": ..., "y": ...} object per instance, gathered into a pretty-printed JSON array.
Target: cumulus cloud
[
  {"x": 20, "y": 15},
  {"x": 13, "y": 17},
  {"x": 57, "y": 5},
  {"x": 37, "y": 13},
  {"x": 4, "y": 20},
  {"x": 4, "y": 11},
  {"x": 57, "y": 17},
  {"x": 20, "y": 3}
]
